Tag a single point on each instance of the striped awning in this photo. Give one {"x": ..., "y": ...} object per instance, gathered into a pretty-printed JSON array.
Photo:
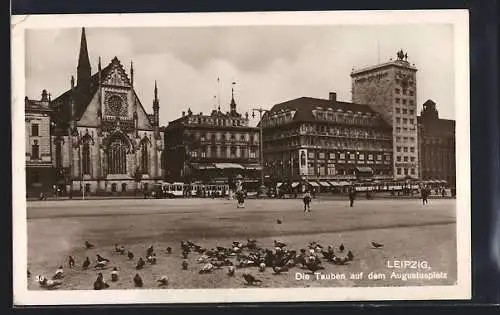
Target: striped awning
[
  {"x": 344, "y": 183},
  {"x": 324, "y": 183},
  {"x": 295, "y": 184},
  {"x": 334, "y": 184},
  {"x": 314, "y": 184}
]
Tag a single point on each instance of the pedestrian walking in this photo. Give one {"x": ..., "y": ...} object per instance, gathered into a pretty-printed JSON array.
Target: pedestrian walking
[
  {"x": 352, "y": 196},
  {"x": 307, "y": 201},
  {"x": 240, "y": 196},
  {"x": 425, "y": 194}
]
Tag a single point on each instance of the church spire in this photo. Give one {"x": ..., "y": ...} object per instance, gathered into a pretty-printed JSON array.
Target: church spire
[
  {"x": 83, "y": 68},
  {"x": 156, "y": 113},
  {"x": 156, "y": 93},
  {"x": 232, "y": 106}
]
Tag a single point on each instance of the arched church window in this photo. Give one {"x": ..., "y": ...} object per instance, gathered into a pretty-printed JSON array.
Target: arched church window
[
  {"x": 86, "y": 157},
  {"x": 117, "y": 157},
  {"x": 144, "y": 157},
  {"x": 58, "y": 154}
]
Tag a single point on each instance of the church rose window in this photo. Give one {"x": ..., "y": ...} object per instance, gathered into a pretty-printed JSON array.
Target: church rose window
[
  {"x": 115, "y": 105},
  {"x": 117, "y": 157}
]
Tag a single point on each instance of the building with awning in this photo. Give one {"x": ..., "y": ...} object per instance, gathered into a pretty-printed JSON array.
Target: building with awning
[
  {"x": 322, "y": 139},
  {"x": 220, "y": 144},
  {"x": 199, "y": 166},
  {"x": 313, "y": 183},
  {"x": 224, "y": 166},
  {"x": 324, "y": 184},
  {"x": 253, "y": 167}
]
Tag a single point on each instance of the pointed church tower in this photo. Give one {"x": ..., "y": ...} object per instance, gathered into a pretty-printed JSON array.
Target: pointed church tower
[
  {"x": 156, "y": 113},
  {"x": 83, "y": 68},
  {"x": 232, "y": 106}
]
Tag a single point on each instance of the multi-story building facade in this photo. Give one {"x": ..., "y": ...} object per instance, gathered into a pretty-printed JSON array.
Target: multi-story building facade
[
  {"x": 102, "y": 138},
  {"x": 436, "y": 145},
  {"x": 391, "y": 90},
  {"x": 215, "y": 147},
  {"x": 322, "y": 140},
  {"x": 39, "y": 171}
]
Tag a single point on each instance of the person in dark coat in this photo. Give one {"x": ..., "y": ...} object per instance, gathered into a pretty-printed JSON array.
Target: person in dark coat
[
  {"x": 352, "y": 196},
  {"x": 240, "y": 196},
  {"x": 307, "y": 201},
  {"x": 425, "y": 194}
]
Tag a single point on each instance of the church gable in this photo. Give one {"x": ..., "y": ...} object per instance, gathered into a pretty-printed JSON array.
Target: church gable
[{"x": 116, "y": 75}]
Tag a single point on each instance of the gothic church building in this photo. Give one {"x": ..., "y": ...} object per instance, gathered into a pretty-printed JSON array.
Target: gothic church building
[{"x": 102, "y": 138}]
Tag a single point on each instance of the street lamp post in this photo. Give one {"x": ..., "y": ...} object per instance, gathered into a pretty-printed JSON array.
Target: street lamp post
[
  {"x": 81, "y": 172},
  {"x": 261, "y": 112}
]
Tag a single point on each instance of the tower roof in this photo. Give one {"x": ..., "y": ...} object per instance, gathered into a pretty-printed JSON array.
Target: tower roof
[
  {"x": 83, "y": 69},
  {"x": 401, "y": 62}
]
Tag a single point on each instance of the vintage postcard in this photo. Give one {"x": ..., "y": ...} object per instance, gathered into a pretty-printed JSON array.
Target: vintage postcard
[{"x": 241, "y": 157}]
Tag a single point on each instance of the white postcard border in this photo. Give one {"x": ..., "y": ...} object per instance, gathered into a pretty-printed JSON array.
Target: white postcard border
[{"x": 462, "y": 290}]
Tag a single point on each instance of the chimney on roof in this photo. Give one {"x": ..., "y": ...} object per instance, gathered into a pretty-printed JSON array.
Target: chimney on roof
[
  {"x": 332, "y": 96},
  {"x": 183, "y": 113}
]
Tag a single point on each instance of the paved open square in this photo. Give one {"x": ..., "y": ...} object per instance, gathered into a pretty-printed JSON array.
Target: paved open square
[{"x": 408, "y": 230}]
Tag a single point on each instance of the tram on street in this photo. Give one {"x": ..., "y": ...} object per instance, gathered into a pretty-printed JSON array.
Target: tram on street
[{"x": 173, "y": 190}]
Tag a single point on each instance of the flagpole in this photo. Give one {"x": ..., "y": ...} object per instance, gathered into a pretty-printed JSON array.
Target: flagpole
[{"x": 218, "y": 92}]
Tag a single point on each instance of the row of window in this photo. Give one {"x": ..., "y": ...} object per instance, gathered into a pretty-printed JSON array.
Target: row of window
[
  {"x": 227, "y": 137},
  {"x": 405, "y": 171},
  {"x": 405, "y": 121},
  {"x": 329, "y": 143},
  {"x": 330, "y": 170},
  {"x": 347, "y": 119},
  {"x": 405, "y": 159},
  {"x": 351, "y": 156},
  {"x": 404, "y": 101},
  {"x": 338, "y": 131},
  {"x": 405, "y": 149},
  {"x": 405, "y": 139},
  {"x": 405, "y": 91},
  {"x": 405, "y": 111},
  {"x": 277, "y": 119},
  {"x": 213, "y": 152},
  {"x": 404, "y": 129},
  {"x": 217, "y": 121}
]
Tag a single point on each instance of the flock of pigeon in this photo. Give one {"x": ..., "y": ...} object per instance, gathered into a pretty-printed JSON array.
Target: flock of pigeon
[{"x": 240, "y": 255}]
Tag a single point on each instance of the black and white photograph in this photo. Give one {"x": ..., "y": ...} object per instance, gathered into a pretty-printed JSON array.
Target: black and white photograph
[{"x": 241, "y": 157}]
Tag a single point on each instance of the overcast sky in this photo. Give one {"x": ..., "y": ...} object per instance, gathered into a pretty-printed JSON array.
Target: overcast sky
[{"x": 269, "y": 64}]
